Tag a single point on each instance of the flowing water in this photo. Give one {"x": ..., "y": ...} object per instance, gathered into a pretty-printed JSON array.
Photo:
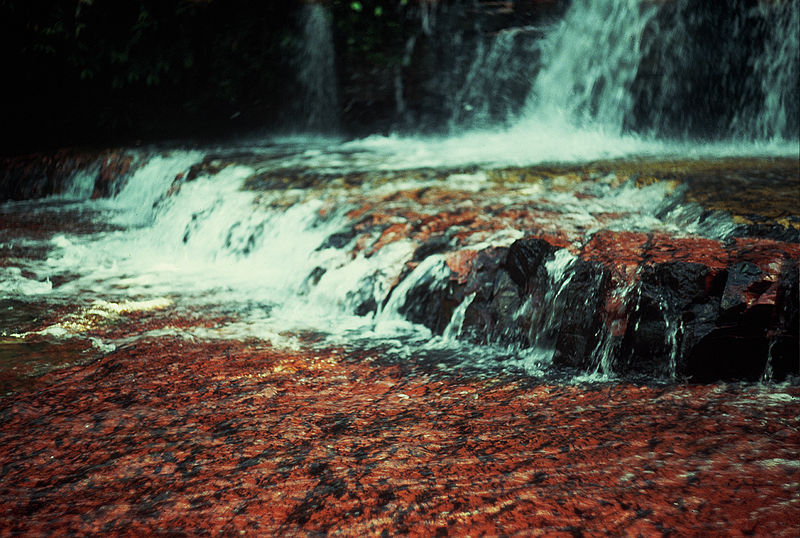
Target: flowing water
[
  {"x": 286, "y": 273},
  {"x": 317, "y": 71}
]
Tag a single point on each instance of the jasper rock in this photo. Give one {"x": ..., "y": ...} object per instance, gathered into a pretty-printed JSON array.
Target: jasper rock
[
  {"x": 742, "y": 278},
  {"x": 675, "y": 306},
  {"x": 628, "y": 303},
  {"x": 429, "y": 304},
  {"x": 784, "y": 333},
  {"x": 634, "y": 304}
]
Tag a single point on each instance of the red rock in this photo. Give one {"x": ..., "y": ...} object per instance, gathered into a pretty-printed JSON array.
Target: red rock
[
  {"x": 460, "y": 263},
  {"x": 227, "y": 437}
]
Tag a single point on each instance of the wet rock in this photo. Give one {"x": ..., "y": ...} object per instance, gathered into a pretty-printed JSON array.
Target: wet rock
[
  {"x": 34, "y": 176},
  {"x": 756, "y": 333},
  {"x": 338, "y": 240},
  {"x": 581, "y": 325},
  {"x": 633, "y": 302},
  {"x": 505, "y": 303},
  {"x": 742, "y": 278},
  {"x": 525, "y": 260},
  {"x": 784, "y": 334},
  {"x": 434, "y": 246},
  {"x": 648, "y": 305},
  {"x": 115, "y": 169},
  {"x": 429, "y": 302},
  {"x": 674, "y": 307}
]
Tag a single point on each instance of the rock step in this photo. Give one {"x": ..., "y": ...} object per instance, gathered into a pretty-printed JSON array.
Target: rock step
[{"x": 631, "y": 303}]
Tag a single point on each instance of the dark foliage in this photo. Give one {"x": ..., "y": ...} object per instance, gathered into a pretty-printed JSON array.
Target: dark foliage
[{"x": 98, "y": 71}]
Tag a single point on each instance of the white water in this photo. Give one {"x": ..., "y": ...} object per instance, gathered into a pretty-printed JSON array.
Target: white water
[
  {"x": 208, "y": 245},
  {"x": 589, "y": 64},
  {"x": 778, "y": 69},
  {"x": 584, "y": 95}
]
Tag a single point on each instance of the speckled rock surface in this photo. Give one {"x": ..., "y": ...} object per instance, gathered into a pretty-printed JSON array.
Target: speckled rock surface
[{"x": 179, "y": 437}]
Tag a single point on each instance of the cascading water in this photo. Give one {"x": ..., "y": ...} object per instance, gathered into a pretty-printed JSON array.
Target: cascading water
[
  {"x": 212, "y": 235},
  {"x": 677, "y": 70},
  {"x": 490, "y": 93},
  {"x": 720, "y": 70},
  {"x": 317, "y": 71},
  {"x": 589, "y": 62},
  {"x": 778, "y": 69},
  {"x": 681, "y": 68},
  {"x": 302, "y": 335}
]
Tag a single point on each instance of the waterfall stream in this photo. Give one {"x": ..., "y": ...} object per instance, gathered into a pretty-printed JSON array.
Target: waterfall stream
[
  {"x": 317, "y": 71},
  {"x": 676, "y": 69},
  {"x": 342, "y": 238}
]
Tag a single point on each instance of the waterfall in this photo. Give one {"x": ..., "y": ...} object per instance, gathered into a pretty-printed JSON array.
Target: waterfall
[
  {"x": 720, "y": 70},
  {"x": 778, "y": 69},
  {"x": 317, "y": 71},
  {"x": 497, "y": 80},
  {"x": 589, "y": 63},
  {"x": 680, "y": 69}
]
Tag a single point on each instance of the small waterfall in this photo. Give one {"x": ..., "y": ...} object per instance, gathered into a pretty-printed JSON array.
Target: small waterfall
[
  {"x": 778, "y": 69},
  {"x": 545, "y": 317},
  {"x": 430, "y": 274},
  {"x": 674, "y": 333},
  {"x": 81, "y": 185},
  {"x": 768, "y": 373},
  {"x": 589, "y": 63},
  {"x": 150, "y": 184},
  {"x": 497, "y": 80},
  {"x": 317, "y": 71},
  {"x": 453, "y": 329},
  {"x": 621, "y": 299},
  {"x": 400, "y": 103},
  {"x": 682, "y": 69},
  {"x": 720, "y": 70}
]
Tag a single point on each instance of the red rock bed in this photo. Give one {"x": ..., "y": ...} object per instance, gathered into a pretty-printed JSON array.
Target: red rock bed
[{"x": 172, "y": 436}]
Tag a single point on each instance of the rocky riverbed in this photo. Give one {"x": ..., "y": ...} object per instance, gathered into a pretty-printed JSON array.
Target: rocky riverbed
[{"x": 219, "y": 342}]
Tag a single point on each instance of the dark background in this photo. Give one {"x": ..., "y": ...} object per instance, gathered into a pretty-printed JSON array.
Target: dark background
[
  {"x": 103, "y": 72},
  {"x": 117, "y": 71}
]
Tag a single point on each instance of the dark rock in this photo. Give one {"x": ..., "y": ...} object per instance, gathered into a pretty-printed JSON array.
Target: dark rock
[
  {"x": 784, "y": 333},
  {"x": 339, "y": 239},
  {"x": 39, "y": 175},
  {"x": 673, "y": 311},
  {"x": 727, "y": 354},
  {"x": 525, "y": 260},
  {"x": 315, "y": 276},
  {"x": 505, "y": 303},
  {"x": 433, "y": 246},
  {"x": 741, "y": 278},
  {"x": 755, "y": 325},
  {"x": 582, "y": 315},
  {"x": 430, "y": 304},
  {"x": 367, "y": 307}
]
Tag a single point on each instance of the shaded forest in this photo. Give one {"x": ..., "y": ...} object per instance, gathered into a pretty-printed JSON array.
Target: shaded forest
[{"x": 99, "y": 71}]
